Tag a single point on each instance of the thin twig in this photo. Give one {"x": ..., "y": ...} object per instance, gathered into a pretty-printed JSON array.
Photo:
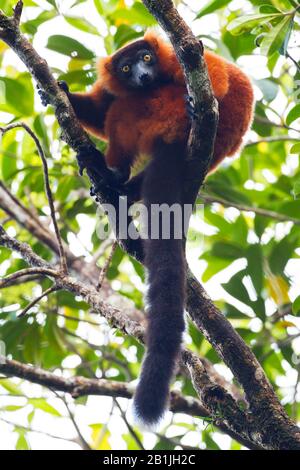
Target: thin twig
[
  {"x": 106, "y": 264},
  {"x": 293, "y": 60},
  {"x": 129, "y": 427},
  {"x": 279, "y": 138},
  {"x": 38, "y": 431},
  {"x": 40, "y": 150},
  {"x": 266, "y": 121},
  {"x": 244, "y": 208},
  {"x": 37, "y": 299},
  {"x": 84, "y": 443},
  {"x": 28, "y": 271}
]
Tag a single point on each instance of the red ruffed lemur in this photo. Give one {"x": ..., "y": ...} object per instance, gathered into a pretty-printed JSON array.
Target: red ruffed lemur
[{"x": 138, "y": 105}]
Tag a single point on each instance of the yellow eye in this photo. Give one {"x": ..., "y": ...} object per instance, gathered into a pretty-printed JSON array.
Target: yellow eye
[
  {"x": 125, "y": 68},
  {"x": 147, "y": 57}
]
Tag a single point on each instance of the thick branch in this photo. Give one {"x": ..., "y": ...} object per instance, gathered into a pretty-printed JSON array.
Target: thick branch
[
  {"x": 116, "y": 319},
  {"x": 274, "y": 429},
  {"x": 80, "y": 386}
]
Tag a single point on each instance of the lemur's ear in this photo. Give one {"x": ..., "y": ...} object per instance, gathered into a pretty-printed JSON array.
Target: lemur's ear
[
  {"x": 106, "y": 62},
  {"x": 153, "y": 38}
]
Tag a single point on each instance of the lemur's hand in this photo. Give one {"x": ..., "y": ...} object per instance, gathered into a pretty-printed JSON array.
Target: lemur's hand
[
  {"x": 63, "y": 85},
  {"x": 190, "y": 107},
  {"x": 45, "y": 99}
]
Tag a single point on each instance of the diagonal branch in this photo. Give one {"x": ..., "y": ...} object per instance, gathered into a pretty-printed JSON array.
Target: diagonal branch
[
  {"x": 81, "y": 386},
  {"x": 119, "y": 320}
]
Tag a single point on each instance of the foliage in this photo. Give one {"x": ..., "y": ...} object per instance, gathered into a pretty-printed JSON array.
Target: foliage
[{"x": 251, "y": 248}]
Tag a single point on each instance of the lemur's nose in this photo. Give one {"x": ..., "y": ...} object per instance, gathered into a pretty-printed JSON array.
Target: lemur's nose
[{"x": 145, "y": 78}]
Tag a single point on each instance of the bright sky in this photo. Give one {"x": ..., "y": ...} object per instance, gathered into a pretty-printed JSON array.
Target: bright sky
[{"x": 98, "y": 408}]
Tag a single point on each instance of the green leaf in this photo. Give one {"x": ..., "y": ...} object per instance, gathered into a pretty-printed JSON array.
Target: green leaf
[
  {"x": 82, "y": 24},
  {"x": 236, "y": 288},
  {"x": 42, "y": 404},
  {"x": 99, "y": 7},
  {"x": 8, "y": 162},
  {"x": 296, "y": 189},
  {"x": 293, "y": 114},
  {"x": 31, "y": 26},
  {"x": 246, "y": 23},
  {"x": 124, "y": 34},
  {"x": 212, "y": 6},
  {"x": 17, "y": 95},
  {"x": 255, "y": 266},
  {"x": 296, "y": 306},
  {"x": 275, "y": 38},
  {"x": 11, "y": 387},
  {"x": 295, "y": 148},
  {"x": 285, "y": 43},
  {"x": 52, "y": 2},
  {"x": 69, "y": 46},
  {"x": 227, "y": 250},
  {"x": 281, "y": 254},
  {"x": 136, "y": 15},
  {"x": 268, "y": 9},
  {"x": 22, "y": 443},
  {"x": 268, "y": 88}
]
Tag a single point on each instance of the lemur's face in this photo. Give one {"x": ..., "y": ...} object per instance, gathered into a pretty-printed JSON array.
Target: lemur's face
[{"x": 136, "y": 66}]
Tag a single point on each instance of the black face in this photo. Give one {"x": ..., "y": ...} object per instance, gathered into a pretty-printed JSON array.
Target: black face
[{"x": 136, "y": 66}]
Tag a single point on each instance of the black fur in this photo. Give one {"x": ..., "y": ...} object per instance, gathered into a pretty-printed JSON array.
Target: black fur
[
  {"x": 91, "y": 113},
  {"x": 165, "y": 263}
]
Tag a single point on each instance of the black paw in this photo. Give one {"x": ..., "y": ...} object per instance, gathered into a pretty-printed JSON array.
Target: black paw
[
  {"x": 132, "y": 191},
  {"x": 106, "y": 184},
  {"x": 63, "y": 85},
  {"x": 121, "y": 175},
  {"x": 102, "y": 177},
  {"x": 91, "y": 159},
  {"x": 45, "y": 99},
  {"x": 111, "y": 179},
  {"x": 190, "y": 107}
]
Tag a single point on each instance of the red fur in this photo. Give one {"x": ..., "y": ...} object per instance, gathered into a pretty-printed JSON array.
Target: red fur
[{"x": 133, "y": 121}]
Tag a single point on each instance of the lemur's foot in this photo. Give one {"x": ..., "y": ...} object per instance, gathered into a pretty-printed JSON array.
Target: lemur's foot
[
  {"x": 133, "y": 188},
  {"x": 113, "y": 180},
  {"x": 102, "y": 176},
  {"x": 91, "y": 159},
  {"x": 190, "y": 108}
]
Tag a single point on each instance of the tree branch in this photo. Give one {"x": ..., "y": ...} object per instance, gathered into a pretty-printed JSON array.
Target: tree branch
[
  {"x": 115, "y": 318},
  {"x": 278, "y": 138},
  {"x": 80, "y": 386},
  {"x": 243, "y": 208}
]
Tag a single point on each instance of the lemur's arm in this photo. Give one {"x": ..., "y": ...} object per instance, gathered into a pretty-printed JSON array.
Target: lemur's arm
[{"x": 91, "y": 107}]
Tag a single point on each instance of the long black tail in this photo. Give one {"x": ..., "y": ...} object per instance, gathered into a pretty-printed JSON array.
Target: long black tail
[{"x": 164, "y": 260}]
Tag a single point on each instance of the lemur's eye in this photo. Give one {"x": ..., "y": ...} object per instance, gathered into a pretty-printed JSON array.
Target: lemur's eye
[
  {"x": 147, "y": 57},
  {"x": 125, "y": 68}
]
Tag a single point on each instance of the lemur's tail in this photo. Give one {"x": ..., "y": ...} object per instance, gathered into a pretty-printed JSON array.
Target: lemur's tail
[{"x": 165, "y": 263}]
